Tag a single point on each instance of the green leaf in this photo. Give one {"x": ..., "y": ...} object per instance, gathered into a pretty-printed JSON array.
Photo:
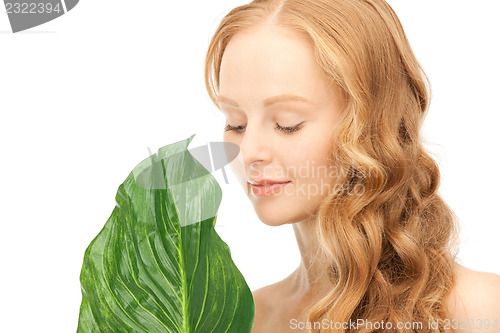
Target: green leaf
[{"x": 158, "y": 265}]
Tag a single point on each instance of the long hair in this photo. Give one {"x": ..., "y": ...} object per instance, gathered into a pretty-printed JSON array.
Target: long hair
[{"x": 390, "y": 238}]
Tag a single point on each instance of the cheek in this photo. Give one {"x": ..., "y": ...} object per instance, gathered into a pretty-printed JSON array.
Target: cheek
[
  {"x": 308, "y": 153},
  {"x": 312, "y": 165}
]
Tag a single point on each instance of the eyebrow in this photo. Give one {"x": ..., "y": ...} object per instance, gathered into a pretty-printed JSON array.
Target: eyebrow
[{"x": 269, "y": 101}]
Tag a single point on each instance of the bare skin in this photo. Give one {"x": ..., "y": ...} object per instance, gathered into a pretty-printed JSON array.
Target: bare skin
[{"x": 476, "y": 295}]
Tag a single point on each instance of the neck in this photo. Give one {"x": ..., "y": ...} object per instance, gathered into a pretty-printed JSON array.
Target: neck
[{"x": 310, "y": 280}]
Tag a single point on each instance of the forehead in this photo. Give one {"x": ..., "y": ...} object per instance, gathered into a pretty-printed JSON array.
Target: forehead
[{"x": 269, "y": 61}]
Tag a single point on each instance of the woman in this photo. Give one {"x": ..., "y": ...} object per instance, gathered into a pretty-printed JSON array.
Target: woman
[{"x": 326, "y": 101}]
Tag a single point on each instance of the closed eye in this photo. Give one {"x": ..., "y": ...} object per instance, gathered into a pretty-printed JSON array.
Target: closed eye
[{"x": 287, "y": 129}]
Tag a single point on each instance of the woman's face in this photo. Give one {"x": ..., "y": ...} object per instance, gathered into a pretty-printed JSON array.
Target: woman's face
[{"x": 258, "y": 66}]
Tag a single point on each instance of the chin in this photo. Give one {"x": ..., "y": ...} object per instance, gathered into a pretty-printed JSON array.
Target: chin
[
  {"x": 272, "y": 221},
  {"x": 274, "y": 214},
  {"x": 270, "y": 212}
]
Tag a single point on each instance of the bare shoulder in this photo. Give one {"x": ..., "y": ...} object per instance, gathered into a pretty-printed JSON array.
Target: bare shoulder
[{"x": 475, "y": 300}]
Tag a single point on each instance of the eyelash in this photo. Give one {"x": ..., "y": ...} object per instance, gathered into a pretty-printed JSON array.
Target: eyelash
[{"x": 286, "y": 129}]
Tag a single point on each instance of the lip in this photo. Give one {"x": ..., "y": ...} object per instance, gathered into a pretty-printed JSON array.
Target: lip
[
  {"x": 261, "y": 182},
  {"x": 266, "y": 187}
]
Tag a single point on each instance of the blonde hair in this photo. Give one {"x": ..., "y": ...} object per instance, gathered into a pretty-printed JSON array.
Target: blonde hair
[{"x": 391, "y": 247}]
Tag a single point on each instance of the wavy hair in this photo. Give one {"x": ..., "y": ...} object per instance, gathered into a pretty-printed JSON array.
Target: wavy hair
[{"x": 390, "y": 238}]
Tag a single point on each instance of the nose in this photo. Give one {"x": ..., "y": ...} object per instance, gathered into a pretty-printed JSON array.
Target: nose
[{"x": 255, "y": 147}]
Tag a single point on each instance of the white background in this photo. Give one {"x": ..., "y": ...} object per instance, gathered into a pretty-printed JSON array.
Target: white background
[{"x": 84, "y": 96}]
